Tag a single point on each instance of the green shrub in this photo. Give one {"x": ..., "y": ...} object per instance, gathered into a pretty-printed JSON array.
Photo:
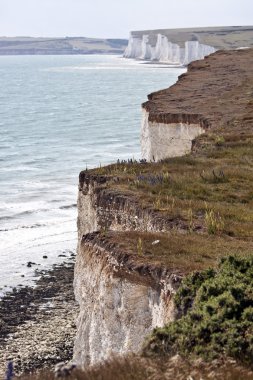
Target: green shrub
[{"x": 215, "y": 315}]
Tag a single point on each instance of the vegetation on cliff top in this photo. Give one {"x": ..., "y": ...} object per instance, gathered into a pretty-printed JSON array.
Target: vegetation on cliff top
[
  {"x": 217, "y": 315},
  {"x": 180, "y": 253}
]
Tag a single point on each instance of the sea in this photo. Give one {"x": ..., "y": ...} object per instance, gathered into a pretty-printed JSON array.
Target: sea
[{"x": 58, "y": 116}]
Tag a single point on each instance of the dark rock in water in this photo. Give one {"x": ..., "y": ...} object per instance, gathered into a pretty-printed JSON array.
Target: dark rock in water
[
  {"x": 30, "y": 263},
  {"x": 62, "y": 370}
]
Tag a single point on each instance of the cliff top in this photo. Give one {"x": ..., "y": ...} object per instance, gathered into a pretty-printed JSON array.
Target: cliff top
[
  {"x": 224, "y": 37},
  {"x": 206, "y": 91}
]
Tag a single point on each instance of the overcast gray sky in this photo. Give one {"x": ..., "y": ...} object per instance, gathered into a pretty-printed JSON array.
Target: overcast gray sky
[{"x": 115, "y": 18}]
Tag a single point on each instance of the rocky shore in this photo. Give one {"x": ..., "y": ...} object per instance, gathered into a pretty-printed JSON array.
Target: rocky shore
[{"x": 37, "y": 324}]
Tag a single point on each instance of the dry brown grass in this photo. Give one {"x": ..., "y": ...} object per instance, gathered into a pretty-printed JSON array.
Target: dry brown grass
[
  {"x": 179, "y": 253},
  {"x": 137, "y": 368}
]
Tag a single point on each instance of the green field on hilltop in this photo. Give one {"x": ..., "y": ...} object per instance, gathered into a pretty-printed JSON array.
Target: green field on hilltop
[{"x": 66, "y": 45}]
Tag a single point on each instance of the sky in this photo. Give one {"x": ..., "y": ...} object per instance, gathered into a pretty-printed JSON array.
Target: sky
[{"x": 116, "y": 18}]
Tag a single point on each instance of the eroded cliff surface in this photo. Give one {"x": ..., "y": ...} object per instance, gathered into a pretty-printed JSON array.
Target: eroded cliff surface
[
  {"x": 182, "y": 46},
  {"x": 121, "y": 297},
  {"x": 120, "y": 300}
]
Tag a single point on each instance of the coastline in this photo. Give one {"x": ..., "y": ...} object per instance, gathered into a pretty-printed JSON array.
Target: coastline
[
  {"x": 38, "y": 323},
  {"x": 130, "y": 255}
]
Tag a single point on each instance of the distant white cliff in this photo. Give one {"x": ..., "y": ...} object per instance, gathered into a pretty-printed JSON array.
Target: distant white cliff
[{"x": 140, "y": 47}]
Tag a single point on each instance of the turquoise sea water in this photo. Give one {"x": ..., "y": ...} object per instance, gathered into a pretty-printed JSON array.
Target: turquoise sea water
[{"x": 59, "y": 114}]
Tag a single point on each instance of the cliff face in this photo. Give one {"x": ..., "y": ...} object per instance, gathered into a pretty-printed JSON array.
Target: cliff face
[
  {"x": 163, "y": 140},
  {"x": 120, "y": 301},
  {"x": 182, "y": 46},
  {"x": 100, "y": 207},
  {"x": 165, "y": 51},
  {"x": 119, "y": 304}
]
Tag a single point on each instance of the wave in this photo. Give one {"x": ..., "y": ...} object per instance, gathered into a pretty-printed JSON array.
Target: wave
[
  {"x": 34, "y": 210},
  {"x": 91, "y": 68},
  {"x": 74, "y": 205},
  {"x": 6, "y": 218},
  {"x": 36, "y": 225},
  {"x": 50, "y": 223},
  {"x": 50, "y": 216},
  {"x": 19, "y": 168}
]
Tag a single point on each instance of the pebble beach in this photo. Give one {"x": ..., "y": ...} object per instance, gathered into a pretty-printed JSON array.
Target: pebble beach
[{"x": 37, "y": 324}]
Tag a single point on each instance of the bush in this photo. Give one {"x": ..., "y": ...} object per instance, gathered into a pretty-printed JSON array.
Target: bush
[{"x": 215, "y": 315}]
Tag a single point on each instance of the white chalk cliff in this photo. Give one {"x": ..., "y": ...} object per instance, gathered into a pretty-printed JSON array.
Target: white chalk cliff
[
  {"x": 116, "y": 311},
  {"x": 163, "y": 140},
  {"x": 120, "y": 303},
  {"x": 140, "y": 47}
]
